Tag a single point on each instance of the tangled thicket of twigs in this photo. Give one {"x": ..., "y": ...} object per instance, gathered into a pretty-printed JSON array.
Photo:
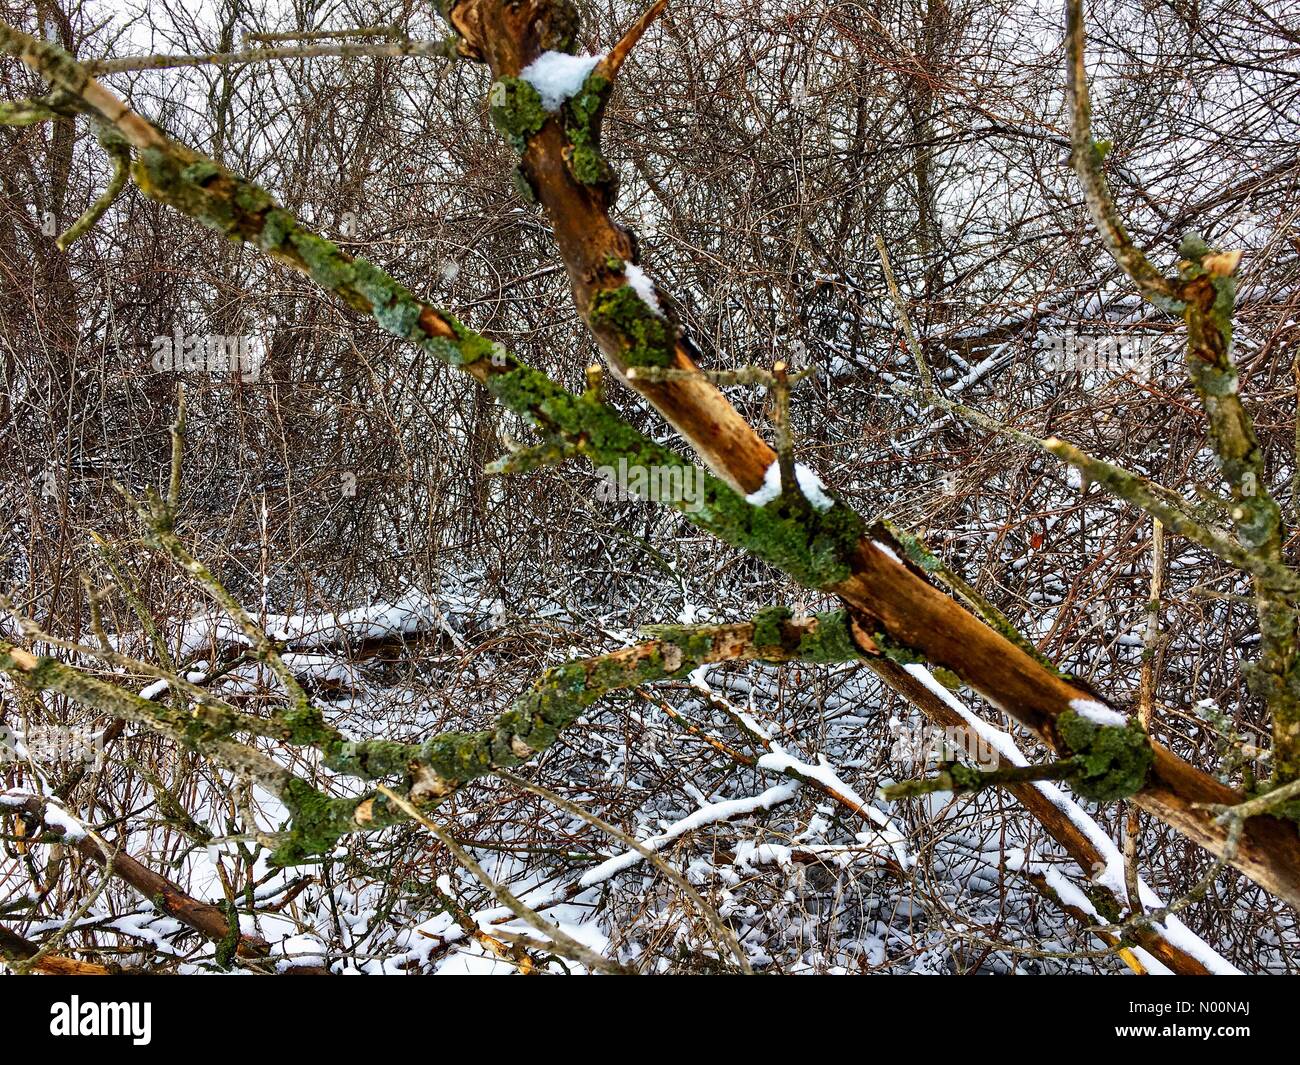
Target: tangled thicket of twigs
[{"x": 340, "y": 493}]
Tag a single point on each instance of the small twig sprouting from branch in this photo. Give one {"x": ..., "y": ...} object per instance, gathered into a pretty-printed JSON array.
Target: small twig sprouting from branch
[
  {"x": 613, "y": 62},
  {"x": 1086, "y": 157},
  {"x": 177, "y": 458},
  {"x": 780, "y": 392},
  {"x": 523, "y": 459},
  {"x": 963, "y": 780}
]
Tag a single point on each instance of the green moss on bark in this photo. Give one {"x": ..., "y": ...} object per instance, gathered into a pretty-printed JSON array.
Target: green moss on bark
[
  {"x": 832, "y": 641},
  {"x": 769, "y": 626},
  {"x": 1110, "y": 761},
  {"x": 517, "y": 111},
  {"x": 582, "y": 116},
  {"x": 318, "y": 821},
  {"x": 647, "y": 337}
]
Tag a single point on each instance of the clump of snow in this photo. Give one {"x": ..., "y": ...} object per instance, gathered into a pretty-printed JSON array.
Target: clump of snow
[
  {"x": 750, "y": 854},
  {"x": 1098, "y": 713},
  {"x": 760, "y": 497},
  {"x": 412, "y": 612},
  {"x": 60, "y": 819},
  {"x": 558, "y": 77},
  {"x": 809, "y": 484},
  {"x": 643, "y": 287},
  {"x": 318, "y": 667},
  {"x": 300, "y": 950}
]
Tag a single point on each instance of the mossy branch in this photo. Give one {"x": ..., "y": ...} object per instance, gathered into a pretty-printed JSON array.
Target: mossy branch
[
  {"x": 120, "y": 153},
  {"x": 1103, "y": 763},
  {"x": 203, "y": 728},
  {"x": 28, "y": 112},
  {"x": 1204, "y": 294},
  {"x": 524, "y": 459},
  {"x": 435, "y": 768},
  {"x": 1086, "y": 157},
  {"x": 1135, "y": 489}
]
